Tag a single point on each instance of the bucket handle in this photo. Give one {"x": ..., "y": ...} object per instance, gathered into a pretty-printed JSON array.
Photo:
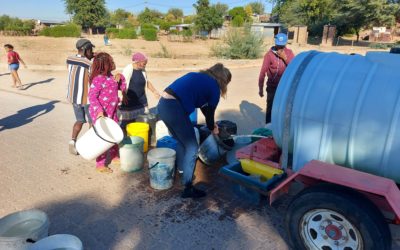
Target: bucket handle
[
  {"x": 95, "y": 131},
  {"x": 154, "y": 165}
]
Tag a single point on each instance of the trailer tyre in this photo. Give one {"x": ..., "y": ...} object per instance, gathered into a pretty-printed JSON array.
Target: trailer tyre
[{"x": 331, "y": 217}]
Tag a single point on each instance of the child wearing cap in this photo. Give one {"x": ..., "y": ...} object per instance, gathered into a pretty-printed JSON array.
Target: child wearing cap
[
  {"x": 135, "y": 100},
  {"x": 274, "y": 65}
]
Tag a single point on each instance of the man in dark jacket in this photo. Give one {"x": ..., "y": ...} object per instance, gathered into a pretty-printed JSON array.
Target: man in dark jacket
[{"x": 274, "y": 64}]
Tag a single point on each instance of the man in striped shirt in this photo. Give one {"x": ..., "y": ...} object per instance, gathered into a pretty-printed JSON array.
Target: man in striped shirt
[{"x": 78, "y": 87}]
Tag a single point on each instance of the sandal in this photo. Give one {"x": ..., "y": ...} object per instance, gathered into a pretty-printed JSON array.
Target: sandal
[
  {"x": 116, "y": 160},
  {"x": 104, "y": 169}
]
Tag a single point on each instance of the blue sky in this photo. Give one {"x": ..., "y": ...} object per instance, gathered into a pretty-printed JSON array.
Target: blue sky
[{"x": 55, "y": 10}]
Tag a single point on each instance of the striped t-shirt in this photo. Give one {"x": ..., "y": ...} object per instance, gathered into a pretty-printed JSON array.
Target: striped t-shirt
[{"x": 78, "y": 79}]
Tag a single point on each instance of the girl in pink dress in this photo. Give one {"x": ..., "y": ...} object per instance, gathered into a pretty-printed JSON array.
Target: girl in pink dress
[{"x": 103, "y": 98}]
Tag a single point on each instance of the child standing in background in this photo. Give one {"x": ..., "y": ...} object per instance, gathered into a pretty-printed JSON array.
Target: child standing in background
[
  {"x": 103, "y": 98},
  {"x": 13, "y": 60}
]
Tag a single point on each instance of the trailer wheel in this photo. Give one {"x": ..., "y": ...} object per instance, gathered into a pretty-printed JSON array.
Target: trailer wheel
[{"x": 329, "y": 217}]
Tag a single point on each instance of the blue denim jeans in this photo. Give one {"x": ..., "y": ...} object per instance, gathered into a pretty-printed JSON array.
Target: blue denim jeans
[{"x": 175, "y": 118}]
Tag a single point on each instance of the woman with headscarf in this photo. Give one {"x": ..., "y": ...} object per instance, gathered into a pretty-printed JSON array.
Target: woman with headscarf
[{"x": 135, "y": 99}]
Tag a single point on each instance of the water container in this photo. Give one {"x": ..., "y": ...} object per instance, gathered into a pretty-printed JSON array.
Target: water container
[
  {"x": 212, "y": 150},
  {"x": 257, "y": 168},
  {"x": 99, "y": 138},
  {"x": 346, "y": 111},
  {"x": 19, "y": 230},
  {"x": 193, "y": 117},
  {"x": 58, "y": 241},
  {"x": 167, "y": 142},
  {"x": 131, "y": 154},
  {"x": 151, "y": 119},
  {"x": 227, "y": 126},
  {"x": 161, "y": 167},
  {"x": 140, "y": 129},
  {"x": 161, "y": 130}
]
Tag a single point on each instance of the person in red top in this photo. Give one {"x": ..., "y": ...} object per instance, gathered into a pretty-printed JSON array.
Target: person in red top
[
  {"x": 275, "y": 62},
  {"x": 13, "y": 60}
]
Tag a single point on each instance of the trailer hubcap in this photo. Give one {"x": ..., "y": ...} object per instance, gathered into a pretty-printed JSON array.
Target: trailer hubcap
[{"x": 327, "y": 229}]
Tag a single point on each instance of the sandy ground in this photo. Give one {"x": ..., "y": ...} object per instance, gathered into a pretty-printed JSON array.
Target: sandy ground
[
  {"x": 50, "y": 53},
  {"x": 121, "y": 211}
]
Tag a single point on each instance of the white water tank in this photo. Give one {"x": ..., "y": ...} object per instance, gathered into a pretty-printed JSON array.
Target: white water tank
[{"x": 346, "y": 111}]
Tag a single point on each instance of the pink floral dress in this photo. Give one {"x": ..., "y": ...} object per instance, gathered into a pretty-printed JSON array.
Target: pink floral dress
[{"x": 103, "y": 97}]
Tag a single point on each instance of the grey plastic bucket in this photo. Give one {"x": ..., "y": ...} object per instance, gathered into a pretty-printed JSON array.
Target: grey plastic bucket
[
  {"x": 161, "y": 167},
  {"x": 19, "y": 230},
  {"x": 212, "y": 150}
]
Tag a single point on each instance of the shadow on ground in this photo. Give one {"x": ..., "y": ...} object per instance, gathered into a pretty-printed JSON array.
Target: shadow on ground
[
  {"x": 161, "y": 219},
  {"x": 4, "y": 74},
  {"x": 29, "y": 85},
  {"x": 26, "y": 115},
  {"x": 249, "y": 118}
]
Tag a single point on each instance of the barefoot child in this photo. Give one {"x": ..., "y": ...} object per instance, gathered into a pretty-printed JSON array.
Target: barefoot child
[
  {"x": 103, "y": 98},
  {"x": 13, "y": 60}
]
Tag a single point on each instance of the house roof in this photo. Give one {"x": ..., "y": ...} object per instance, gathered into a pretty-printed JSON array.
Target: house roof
[
  {"x": 49, "y": 22},
  {"x": 267, "y": 25}
]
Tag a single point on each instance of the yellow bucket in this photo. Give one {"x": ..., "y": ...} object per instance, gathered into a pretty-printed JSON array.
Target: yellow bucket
[
  {"x": 140, "y": 129},
  {"x": 253, "y": 167}
]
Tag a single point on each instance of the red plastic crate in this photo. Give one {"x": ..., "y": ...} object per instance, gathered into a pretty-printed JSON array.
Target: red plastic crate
[{"x": 264, "y": 151}]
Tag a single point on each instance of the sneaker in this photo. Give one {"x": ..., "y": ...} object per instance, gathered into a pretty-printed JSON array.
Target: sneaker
[
  {"x": 71, "y": 147},
  {"x": 192, "y": 192}
]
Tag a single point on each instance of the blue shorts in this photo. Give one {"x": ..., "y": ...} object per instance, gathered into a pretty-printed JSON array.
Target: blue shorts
[
  {"x": 81, "y": 112},
  {"x": 13, "y": 66}
]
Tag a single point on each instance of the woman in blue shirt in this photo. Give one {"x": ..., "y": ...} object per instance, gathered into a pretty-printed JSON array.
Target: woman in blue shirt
[{"x": 193, "y": 90}]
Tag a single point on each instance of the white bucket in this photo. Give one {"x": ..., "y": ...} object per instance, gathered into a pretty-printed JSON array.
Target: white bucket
[
  {"x": 58, "y": 241},
  {"x": 98, "y": 139},
  {"x": 161, "y": 167},
  {"x": 19, "y": 230},
  {"x": 161, "y": 130}
]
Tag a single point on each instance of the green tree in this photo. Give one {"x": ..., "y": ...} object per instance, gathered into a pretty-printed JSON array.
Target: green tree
[
  {"x": 221, "y": 8},
  {"x": 119, "y": 17},
  {"x": 237, "y": 21},
  {"x": 176, "y": 12},
  {"x": 149, "y": 16},
  {"x": 87, "y": 13},
  {"x": 313, "y": 13},
  {"x": 358, "y": 14},
  {"x": 207, "y": 17},
  {"x": 257, "y": 7},
  {"x": 239, "y": 11}
]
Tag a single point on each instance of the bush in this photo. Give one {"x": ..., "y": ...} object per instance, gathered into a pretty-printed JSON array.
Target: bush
[
  {"x": 149, "y": 34},
  {"x": 380, "y": 46},
  {"x": 239, "y": 44},
  {"x": 237, "y": 21},
  {"x": 127, "y": 33},
  {"x": 147, "y": 26},
  {"x": 187, "y": 35},
  {"x": 112, "y": 32},
  {"x": 69, "y": 30}
]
